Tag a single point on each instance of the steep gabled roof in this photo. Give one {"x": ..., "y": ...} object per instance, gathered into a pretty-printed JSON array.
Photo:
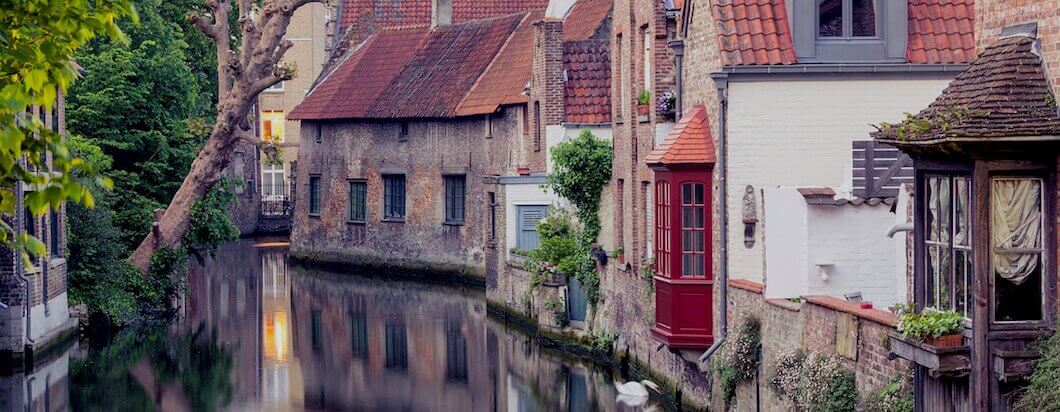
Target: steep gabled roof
[
  {"x": 416, "y": 72},
  {"x": 397, "y": 13},
  {"x": 1003, "y": 93},
  {"x": 587, "y": 94},
  {"x": 586, "y": 19},
  {"x": 506, "y": 77},
  {"x": 689, "y": 142},
  {"x": 757, "y": 32}
]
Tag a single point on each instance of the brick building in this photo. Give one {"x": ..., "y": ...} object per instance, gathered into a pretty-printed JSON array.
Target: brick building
[
  {"x": 34, "y": 313},
  {"x": 397, "y": 140}
]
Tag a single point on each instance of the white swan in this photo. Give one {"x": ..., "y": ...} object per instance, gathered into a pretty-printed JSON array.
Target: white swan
[{"x": 636, "y": 389}]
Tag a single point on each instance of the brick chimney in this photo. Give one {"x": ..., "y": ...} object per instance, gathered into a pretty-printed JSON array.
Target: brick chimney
[
  {"x": 441, "y": 13},
  {"x": 546, "y": 86}
]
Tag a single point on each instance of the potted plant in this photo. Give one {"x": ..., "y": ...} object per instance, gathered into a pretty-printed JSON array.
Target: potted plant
[
  {"x": 644, "y": 103},
  {"x": 937, "y": 328},
  {"x": 666, "y": 104},
  {"x": 599, "y": 253},
  {"x": 620, "y": 253}
]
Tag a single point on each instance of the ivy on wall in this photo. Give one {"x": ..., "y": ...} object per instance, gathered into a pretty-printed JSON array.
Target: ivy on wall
[{"x": 582, "y": 167}]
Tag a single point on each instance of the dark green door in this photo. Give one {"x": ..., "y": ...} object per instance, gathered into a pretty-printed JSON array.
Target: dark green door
[{"x": 576, "y": 301}]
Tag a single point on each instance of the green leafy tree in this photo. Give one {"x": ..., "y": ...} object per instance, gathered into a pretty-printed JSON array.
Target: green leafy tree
[{"x": 39, "y": 39}]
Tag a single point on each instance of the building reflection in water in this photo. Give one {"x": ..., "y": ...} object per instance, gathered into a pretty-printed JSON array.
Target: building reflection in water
[
  {"x": 45, "y": 388},
  {"x": 291, "y": 338}
]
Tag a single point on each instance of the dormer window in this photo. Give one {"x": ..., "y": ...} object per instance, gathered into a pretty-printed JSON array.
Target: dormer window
[
  {"x": 846, "y": 18},
  {"x": 849, "y": 31}
]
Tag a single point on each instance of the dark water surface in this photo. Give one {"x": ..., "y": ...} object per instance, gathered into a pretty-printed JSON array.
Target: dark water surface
[{"x": 259, "y": 334}]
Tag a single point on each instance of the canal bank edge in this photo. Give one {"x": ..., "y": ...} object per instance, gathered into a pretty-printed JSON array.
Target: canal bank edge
[
  {"x": 420, "y": 273},
  {"x": 44, "y": 349},
  {"x": 581, "y": 347}
]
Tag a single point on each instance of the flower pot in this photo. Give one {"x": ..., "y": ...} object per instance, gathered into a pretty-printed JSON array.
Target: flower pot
[
  {"x": 622, "y": 259},
  {"x": 945, "y": 341},
  {"x": 643, "y": 109}
]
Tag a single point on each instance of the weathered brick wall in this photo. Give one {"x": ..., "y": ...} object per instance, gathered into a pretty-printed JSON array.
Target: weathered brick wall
[
  {"x": 810, "y": 325},
  {"x": 366, "y": 150},
  {"x": 992, "y": 15},
  {"x": 546, "y": 89}
]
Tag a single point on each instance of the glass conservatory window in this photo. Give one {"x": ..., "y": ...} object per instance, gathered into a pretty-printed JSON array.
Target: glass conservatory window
[
  {"x": 948, "y": 247},
  {"x": 1016, "y": 248}
]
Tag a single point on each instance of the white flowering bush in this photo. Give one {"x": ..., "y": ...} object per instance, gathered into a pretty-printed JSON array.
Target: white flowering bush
[
  {"x": 738, "y": 359},
  {"x": 815, "y": 382}
]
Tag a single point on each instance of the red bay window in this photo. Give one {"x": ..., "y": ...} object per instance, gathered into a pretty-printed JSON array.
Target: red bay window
[{"x": 683, "y": 166}]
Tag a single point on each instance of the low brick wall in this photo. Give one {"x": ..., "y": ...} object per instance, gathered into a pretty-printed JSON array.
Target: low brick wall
[{"x": 811, "y": 325}]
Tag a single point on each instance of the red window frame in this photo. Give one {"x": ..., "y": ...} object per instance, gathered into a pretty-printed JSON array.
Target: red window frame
[{"x": 684, "y": 289}]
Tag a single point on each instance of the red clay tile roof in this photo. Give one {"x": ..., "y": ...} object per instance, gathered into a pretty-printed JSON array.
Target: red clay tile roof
[
  {"x": 587, "y": 95},
  {"x": 395, "y": 13},
  {"x": 1003, "y": 93},
  {"x": 586, "y": 19},
  {"x": 409, "y": 72},
  {"x": 507, "y": 76},
  {"x": 467, "y": 10},
  {"x": 689, "y": 142},
  {"x": 385, "y": 13},
  {"x": 756, "y": 32},
  {"x": 753, "y": 32},
  {"x": 941, "y": 31}
]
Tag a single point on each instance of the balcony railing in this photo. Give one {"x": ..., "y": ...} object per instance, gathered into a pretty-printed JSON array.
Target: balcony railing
[{"x": 276, "y": 199}]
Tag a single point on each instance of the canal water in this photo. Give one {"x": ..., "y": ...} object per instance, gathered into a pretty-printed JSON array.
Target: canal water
[{"x": 259, "y": 333}]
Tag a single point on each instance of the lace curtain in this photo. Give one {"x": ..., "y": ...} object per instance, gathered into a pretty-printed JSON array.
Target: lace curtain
[{"x": 1016, "y": 228}]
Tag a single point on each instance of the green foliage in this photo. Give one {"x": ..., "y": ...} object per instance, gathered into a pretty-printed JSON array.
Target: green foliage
[
  {"x": 896, "y": 396},
  {"x": 141, "y": 102},
  {"x": 644, "y": 97},
  {"x": 604, "y": 341},
  {"x": 815, "y": 382},
  {"x": 738, "y": 360},
  {"x": 928, "y": 323},
  {"x": 915, "y": 126},
  {"x": 39, "y": 39},
  {"x": 1042, "y": 392},
  {"x": 562, "y": 252},
  {"x": 210, "y": 223},
  {"x": 582, "y": 169},
  {"x": 559, "y": 311}
]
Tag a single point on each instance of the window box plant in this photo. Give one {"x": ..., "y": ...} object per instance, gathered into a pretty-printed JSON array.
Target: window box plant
[
  {"x": 619, "y": 254},
  {"x": 644, "y": 103},
  {"x": 666, "y": 105},
  {"x": 938, "y": 328}
]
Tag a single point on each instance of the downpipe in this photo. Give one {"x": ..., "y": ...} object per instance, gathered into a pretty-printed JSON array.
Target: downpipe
[
  {"x": 20, "y": 225},
  {"x": 723, "y": 248}
]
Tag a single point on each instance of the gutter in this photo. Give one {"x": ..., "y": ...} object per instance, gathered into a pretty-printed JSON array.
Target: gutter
[
  {"x": 846, "y": 68},
  {"x": 721, "y": 81},
  {"x": 19, "y": 269}
]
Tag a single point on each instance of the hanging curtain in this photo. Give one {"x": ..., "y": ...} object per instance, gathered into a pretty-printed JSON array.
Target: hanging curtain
[{"x": 1016, "y": 227}]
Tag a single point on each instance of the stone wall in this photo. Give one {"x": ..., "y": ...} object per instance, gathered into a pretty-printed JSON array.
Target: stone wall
[
  {"x": 811, "y": 325},
  {"x": 366, "y": 150}
]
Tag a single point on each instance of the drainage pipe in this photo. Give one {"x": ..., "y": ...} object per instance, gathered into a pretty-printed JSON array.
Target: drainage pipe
[
  {"x": 722, "y": 83},
  {"x": 20, "y": 226}
]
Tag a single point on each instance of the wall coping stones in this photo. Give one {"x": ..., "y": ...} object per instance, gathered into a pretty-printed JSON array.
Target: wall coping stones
[
  {"x": 879, "y": 316},
  {"x": 748, "y": 285}
]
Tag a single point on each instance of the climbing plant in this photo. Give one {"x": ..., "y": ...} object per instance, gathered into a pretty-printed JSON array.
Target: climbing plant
[
  {"x": 739, "y": 359},
  {"x": 582, "y": 167},
  {"x": 1042, "y": 393}
]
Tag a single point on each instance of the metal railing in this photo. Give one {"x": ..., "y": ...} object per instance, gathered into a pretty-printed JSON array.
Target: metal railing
[{"x": 276, "y": 199}]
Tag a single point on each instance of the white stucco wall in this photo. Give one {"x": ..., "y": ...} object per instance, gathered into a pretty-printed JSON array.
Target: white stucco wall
[
  {"x": 58, "y": 313},
  {"x": 851, "y": 240},
  {"x": 799, "y": 133},
  {"x": 556, "y": 134}
]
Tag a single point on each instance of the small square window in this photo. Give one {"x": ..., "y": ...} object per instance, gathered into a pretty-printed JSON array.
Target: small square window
[
  {"x": 357, "y": 201},
  {"x": 314, "y": 195},
  {"x": 394, "y": 197},
  {"x": 455, "y": 187}
]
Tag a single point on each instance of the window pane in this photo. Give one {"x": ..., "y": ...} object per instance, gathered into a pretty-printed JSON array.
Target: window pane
[
  {"x": 686, "y": 217},
  {"x": 686, "y": 194},
  {"x": 454, "y": 198},
  {"x": 945, "y": 279},
  {"x": 698, "y": 246},
  {"x": 314, "y": 194},
  {"x": 830, "y": 18},
  {"x": 1016, "y": 237},
  {"x": 686, "y": 240},
  {"x": 394, "y": 196},
  {"x": 932, "y": 200},
  {"x": 930, "y": 263},
  {"x": 700, "y": 269},
  {"x": 960, "y": 277},
  {"x": 699, "y": 194},
  {"x": 961, "y": 232},
  {"x": 699, "y": 217},
  {"x": 686, "y": 265},
  {"x": 944, "y": 210},
  {"x": 864, "y": 16}
]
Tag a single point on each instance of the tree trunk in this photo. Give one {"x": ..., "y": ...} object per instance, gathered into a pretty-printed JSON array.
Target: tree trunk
[{"x": 254, "y": 68}]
